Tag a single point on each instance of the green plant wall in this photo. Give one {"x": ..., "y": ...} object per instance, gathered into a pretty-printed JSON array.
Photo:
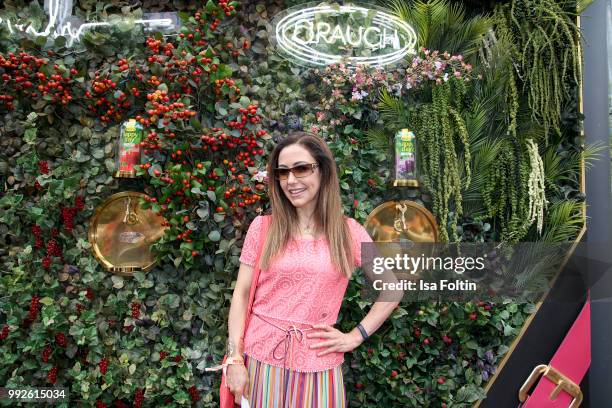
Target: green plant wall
[{"x": 144, "y": 341}]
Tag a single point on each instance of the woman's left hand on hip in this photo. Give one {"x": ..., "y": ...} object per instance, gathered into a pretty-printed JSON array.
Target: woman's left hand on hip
[{"x": 335, "y": 340}]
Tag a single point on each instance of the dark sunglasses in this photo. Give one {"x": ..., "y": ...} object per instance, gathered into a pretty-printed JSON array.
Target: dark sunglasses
[{"x": 299, "y": 171}]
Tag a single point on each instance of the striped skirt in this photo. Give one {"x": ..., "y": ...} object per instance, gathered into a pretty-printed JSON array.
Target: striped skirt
[{"x": 277, "y": 387}]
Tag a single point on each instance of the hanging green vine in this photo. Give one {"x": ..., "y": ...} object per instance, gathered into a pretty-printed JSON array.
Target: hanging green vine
[
  {"x": 442, "y": 133},
  {"x": 506, "y": 194},
  {"x": 545, "y": 42}
]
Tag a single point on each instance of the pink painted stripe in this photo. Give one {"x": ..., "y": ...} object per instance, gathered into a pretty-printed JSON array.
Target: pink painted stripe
[{"x": 572, "y": 359}]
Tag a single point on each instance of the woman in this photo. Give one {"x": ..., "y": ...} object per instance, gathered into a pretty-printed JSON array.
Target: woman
[{"x": 291, "y": 354}]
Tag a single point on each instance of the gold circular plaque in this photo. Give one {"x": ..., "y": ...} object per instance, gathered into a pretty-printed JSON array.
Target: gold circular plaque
[
  {"x": 396, "y": 221},
  {"x": 120, "y": 233}
]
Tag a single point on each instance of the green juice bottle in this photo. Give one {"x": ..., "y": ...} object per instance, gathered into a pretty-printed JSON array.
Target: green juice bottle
[{"x": 405, "y": 159}]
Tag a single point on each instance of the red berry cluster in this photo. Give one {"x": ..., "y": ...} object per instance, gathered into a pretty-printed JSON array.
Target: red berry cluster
[
  {"x": 447, "y": 340},
  {"x": 53, "y": 248},
  {"x": 103, "y": 365},
  {"x": 227, "y": 9},
  {"x": 89, "y": 294},
  {"x": 218, "y": 139},
  {"x": 155, "y": 45},
  {"x": 31, "y": 77},
  {"x": 473, "y": 316},
  {"x": 123, "y": 65},
  {"x": 79, "y": 203},
  {"x": 43, "y": 167},
  {"x": 162, "y": 355},
  {"x": 441, "y": 380},
  {"x": 138, "y": 398},
  {"x": 46, "y": 262},
  {"x": 193, "y": 393},
  {"x": 67, "y": 215},
  {"x": 106, "y": 108},
  {"x": 34, "y": 306},
  {"x": 485, "y": 306},
  {"x": 4, "y": 333},
  {"x": 248, "y": 115},
  {"x": 202, "y": 21},
  {"x": 37, "y": 231},
  {"x": 224, "y": 85},
  {"x": 135, "y": 310},
  {"x": 52, "y": 375},
  {"x": 47, "y": 353},
  {"x": 246, "y": 197},
  {"x": 160, "y": 107},
  {"x": 177, "y": 359},
  {"x": 79, "y": 308},
  {"x": 100, "y": 404},
  {"x": 60, "y": 339}
]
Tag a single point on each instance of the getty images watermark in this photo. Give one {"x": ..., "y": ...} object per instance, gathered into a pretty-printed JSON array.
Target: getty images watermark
[
  {"x": 413, "y": 265},
  {"x": 466, "y": 272}
]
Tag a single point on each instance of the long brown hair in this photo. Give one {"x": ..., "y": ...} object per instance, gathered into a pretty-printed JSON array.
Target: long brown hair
[{"x": 328, "y": 214}]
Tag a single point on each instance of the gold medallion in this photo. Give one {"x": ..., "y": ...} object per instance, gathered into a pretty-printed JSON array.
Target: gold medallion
[
  {"x": 121, "y": 233},
  {"x": 397, "y": 221}
]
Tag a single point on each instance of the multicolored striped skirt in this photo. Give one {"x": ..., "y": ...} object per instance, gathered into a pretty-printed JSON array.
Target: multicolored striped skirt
[{"x": 277, "y": 387}]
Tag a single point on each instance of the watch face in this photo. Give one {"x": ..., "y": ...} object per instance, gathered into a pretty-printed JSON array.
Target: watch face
[
  {"x": 121, "y": 233},
  {"x": 401, "y": 221}
]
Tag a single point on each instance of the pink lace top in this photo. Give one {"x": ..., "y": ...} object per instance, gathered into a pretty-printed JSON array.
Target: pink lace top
[{"x": 299, "y": 289}]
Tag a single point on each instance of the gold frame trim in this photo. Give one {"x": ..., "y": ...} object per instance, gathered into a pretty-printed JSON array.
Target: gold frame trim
[
  {"x": 125, "y": 174},
  {"x": 405, "y": 183},
  {"x": 540, "y": 302}
]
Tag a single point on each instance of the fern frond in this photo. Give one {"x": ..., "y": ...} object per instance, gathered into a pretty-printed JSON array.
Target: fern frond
[{"x": 378, "y": 139}]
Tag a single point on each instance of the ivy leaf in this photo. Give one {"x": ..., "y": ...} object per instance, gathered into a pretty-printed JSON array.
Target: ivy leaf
[
  {"x": 177, "y": 261},
  {"x": 117, "y": 281},
  {"x": 47, "y": 301},
  {"x": 203, "y": 213},
  {"x": 60, "y": 42},
  {"x": 245, "y": 101}
]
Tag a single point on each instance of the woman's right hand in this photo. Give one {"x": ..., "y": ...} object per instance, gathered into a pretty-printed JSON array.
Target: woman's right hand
[{"x": 237, "y": 381}]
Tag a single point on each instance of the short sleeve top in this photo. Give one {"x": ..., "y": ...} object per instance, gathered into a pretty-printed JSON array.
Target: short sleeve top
[{"x": 300, "y": 288}]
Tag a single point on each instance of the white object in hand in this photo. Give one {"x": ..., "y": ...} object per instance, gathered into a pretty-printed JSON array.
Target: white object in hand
[{"x": 244, "y": 403}]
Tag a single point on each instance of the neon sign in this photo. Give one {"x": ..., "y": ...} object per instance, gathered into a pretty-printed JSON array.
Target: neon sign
[
  {"x": 355, "y": 35},
  {"x": 63, "y": 24}
]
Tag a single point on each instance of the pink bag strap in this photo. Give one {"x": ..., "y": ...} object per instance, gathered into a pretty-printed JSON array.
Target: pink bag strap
[{"x": 267, "y": 219}]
